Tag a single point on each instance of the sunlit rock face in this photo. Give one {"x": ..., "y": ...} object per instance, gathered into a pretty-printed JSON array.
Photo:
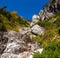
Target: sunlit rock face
[
  {"x": 18, "y": 45},
  {"x": 35, "y": 19},
  {"x": 3, "y": 42},
  {"x": 42, "y": 15},
  {"x": 14, "y": 43},
  {"x": 39, "y": 50},
  {"x": 36, "y": 29},
  {"x": 53, "y": 6}
]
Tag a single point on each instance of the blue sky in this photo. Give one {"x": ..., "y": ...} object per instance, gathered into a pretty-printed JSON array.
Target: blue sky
[{"x": 25, "y": 8}]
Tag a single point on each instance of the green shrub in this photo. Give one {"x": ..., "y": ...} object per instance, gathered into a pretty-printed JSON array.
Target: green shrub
[
  {"x": 52, "y": 50},
  {"x": 37, "y": 55},
  {"x": 38, "y": 38},
  {"x": 45, "y": 24},
  {"x": 11, "y": 21},
  {"x": 57, "y": 22}
]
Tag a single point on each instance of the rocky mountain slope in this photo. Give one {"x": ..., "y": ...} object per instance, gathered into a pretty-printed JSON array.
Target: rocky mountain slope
[
  {"x": 16, "y": 38},
  {"x": 40, "y": 38}
]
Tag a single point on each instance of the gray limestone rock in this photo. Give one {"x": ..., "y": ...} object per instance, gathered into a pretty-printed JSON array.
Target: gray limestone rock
[{"x": 36, "y": 29}]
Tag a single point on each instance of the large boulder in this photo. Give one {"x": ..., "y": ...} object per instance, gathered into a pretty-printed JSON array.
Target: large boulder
[
  {"x": 35, "y": 19},
  {"x": 36, "y": 29}
]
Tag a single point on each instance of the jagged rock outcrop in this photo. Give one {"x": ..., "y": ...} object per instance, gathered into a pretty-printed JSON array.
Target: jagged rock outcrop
[
  {"x": 35, "y": 19},
  {"x": 42, "y": 15},
  {"x": 36, "y": 29},
  {"x": 3, "y": 42},
  {"x": 53, "y": 6},
  {"x": 17, "y": 45},
  {"x": 49, "y": 10}
]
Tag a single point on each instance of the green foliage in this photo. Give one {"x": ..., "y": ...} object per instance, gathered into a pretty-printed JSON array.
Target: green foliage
[
  {"x": 52, "y": 50},
  {"x": 23, "y": 22},
  {"x": 38, "y": 38},
  {"x": 46, "y": 24},
  {"x": 50, "y": 41},
  {"x": 52, "y": 30},
  {"x": 37, "y": 55},
  {"x": 11, "y": 21},
  {"x": 58, "y": 30},
  {"x": 57, "y": 22}
]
